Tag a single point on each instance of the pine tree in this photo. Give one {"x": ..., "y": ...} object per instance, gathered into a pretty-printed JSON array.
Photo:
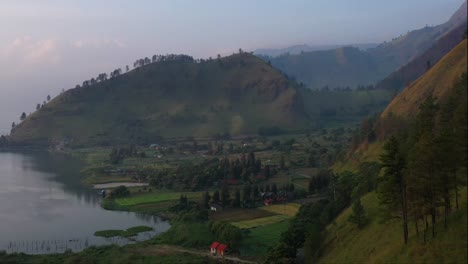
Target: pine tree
[
  {"x": 393, "y": 189},
  {"x": 358, "y": 216}
]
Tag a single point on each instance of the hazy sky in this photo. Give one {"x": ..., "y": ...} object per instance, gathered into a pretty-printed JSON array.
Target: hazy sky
[{"x": 49, "y": 45}]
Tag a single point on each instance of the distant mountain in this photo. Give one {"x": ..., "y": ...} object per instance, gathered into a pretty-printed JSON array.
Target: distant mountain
[
  {"x": 326, "y": 68},
  {"x": 347, "y": 66},
  {"x": 418, "y": 66},
  {"x": 297, "y": 49},
  {"x": 238, "y": 95}
]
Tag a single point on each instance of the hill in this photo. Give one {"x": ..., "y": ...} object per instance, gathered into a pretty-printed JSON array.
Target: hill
[
  {"x": 237, "y": 95},
  {"x": 436, "y": 82},
  {"x": 418, "y": 66},
  {"x": 346, "y": 66},
  {"x": 297, "y": 49},
  {"x": 381, "y": 242},
  {"x": 352, "y": 67}
]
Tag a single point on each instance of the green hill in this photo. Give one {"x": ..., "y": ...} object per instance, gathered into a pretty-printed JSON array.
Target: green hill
[
  {"x": 236, "y": 95},
  {"x": 381, "y": 242}
]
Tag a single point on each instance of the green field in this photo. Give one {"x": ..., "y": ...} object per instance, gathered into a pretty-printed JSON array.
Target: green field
[
  {"x": 247, "y": 224},
  {"x": 289, "y": 209},
  {"x": 258, "y": 240},
  {"x": 156, "y": 197}
]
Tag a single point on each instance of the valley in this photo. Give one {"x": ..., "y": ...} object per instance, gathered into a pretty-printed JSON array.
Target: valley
[{"x": 304, "y": 154}]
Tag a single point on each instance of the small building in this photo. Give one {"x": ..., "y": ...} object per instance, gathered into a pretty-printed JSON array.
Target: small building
[
  {"x": 217, "y": 248},
  {"x": 222, "y": 249},
  {"x": 213, "y": 247}
]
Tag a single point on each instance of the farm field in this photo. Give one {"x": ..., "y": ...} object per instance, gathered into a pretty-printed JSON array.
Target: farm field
[
  {"x": 154, "y": 197},
  {"x": 235, "y": 215},
  {"x": 247, "y": 224},
  {"x": 289, "y": 209},
  {"x": 258, "y": 240}
]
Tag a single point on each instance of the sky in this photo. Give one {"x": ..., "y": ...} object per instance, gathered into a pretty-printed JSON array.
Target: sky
[{"x": 50, "y": 45}]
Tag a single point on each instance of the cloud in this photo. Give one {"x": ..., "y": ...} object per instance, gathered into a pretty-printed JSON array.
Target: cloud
[
  {"x": 98, "y": 43},
  {"x": 27, "y": 50}
]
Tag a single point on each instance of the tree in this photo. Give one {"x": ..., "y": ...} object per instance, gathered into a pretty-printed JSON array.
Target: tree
[
  {"x": 216, "y": 196},
  {"x": 274, "y": 188},
  {"x": 312, "y": 242},
  {"x": 120, "y": 191},
  {"x": 282, "y": 163},
  {"x": 38, "y": 106},
  {"x": 267, "y": 172},
  {"x": 358, "y": 215},
  {"x": 48, "y": 98},
  {"x": 224, "y": 195},
  {"x": 13, "y": 125},
  {"x": 206, "y": 199},
  {"x": 127, "y": 68},
  {"x": 237, "y": 198},
  {"x": 23, "y": 116},
  {"x": 393, "y": 189}
]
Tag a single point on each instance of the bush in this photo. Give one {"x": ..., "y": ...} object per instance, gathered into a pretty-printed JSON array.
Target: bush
[{"x": 120, "y": 191}]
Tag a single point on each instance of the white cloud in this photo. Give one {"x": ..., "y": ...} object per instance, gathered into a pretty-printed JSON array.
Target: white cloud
[
  {"x": 98, "y": 43},
  {"x": 25, "y": 50}
]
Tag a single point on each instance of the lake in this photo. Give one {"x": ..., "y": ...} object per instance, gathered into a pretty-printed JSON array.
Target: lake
[{"x": 44, "y": 208}]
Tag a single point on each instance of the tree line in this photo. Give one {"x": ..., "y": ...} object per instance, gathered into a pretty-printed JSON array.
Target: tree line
[{"x": 425, "y": 165}]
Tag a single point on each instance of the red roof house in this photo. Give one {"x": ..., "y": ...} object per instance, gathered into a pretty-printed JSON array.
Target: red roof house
[
  {"x": 221, "y": 249},
  {"x": 217, "y": 248},
  {"x": 213, "y": 247}
]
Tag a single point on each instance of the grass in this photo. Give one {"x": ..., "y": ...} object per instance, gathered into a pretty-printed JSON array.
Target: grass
[
  {"x": 259, "y": 240},
  {"x": 105, "y": 255},
  {"x": 186, "y": 234},
  {"x": 437, "y": 81},
  {"x": 155, "y": 197},
  {"x": 130, "y": 232},
  {"x": 289, "y": 209},
  {"x": 382, "y": 242},
  {"x": 247, "y": 224},
  {"x": 235, "y": 215}
]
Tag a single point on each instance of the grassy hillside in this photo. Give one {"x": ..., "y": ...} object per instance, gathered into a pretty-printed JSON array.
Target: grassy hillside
[
  {"x": 417, "y": 67},
  {"x": 237, "y": 94},
  {"x": 436, "y": 82},
  {"x": 382, "y": 242}
]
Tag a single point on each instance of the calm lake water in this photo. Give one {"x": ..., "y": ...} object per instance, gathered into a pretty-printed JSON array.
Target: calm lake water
[{"x": 44, "y": 208}]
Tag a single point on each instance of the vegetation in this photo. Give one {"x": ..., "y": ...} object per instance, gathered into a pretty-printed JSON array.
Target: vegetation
[
  {"x": 240, "y": 94},
  {"x": 130, "y": 232},
  {"x": 104, "y": 255}
]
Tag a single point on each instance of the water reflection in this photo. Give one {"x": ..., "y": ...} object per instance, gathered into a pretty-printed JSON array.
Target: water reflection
[{"x": 49, "y": 210}]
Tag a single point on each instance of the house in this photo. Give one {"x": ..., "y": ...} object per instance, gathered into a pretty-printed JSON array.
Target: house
[
  {"x": 213, "y": 247},
  {"x": 217, "y": 248},
  {"x": 222, "y": 249}
]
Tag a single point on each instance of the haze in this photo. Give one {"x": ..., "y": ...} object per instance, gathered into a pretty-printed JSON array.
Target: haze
[{"x": 47, "y": 46}]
